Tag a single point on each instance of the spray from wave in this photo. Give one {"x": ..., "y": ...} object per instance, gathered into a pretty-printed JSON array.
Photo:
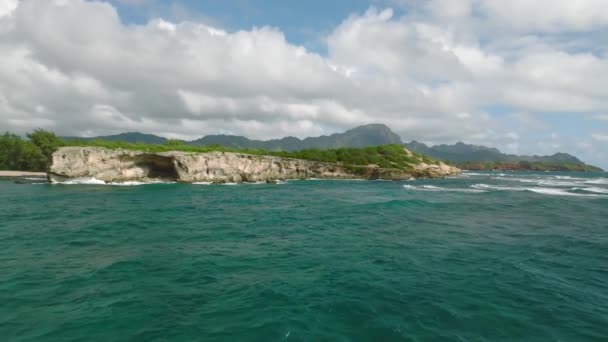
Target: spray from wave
[{"x": 95, "y": 181}]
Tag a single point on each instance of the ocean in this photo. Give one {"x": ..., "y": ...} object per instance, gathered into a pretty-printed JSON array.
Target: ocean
[{"x": 481, "y": 257}]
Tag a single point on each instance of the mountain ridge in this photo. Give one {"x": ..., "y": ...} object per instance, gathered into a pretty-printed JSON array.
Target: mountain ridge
[{"x": 462, "y": 154}]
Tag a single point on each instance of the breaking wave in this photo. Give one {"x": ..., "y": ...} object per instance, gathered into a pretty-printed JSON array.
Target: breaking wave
[
  {"x": 95, "y": 181},
  {"x": 540, "y": 190},
  {"x": 439, "y": 189},
  {"x": 597, "y": 181}
]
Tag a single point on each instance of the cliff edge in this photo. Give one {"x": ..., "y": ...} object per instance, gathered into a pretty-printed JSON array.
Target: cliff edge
[{"x": 119, "y": 165}]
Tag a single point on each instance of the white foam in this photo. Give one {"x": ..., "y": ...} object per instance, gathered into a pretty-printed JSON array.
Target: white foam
[
  {"x": 35, "y": 178},
  {"x": 570, "y": 178},
  {"x": 538, "y": 190},
  {"x": 597, "y": 181},
  {"x": 432, "y": 187},
  {"x": 521, "y": 180},
  {"x": 439, "y": 189},
  {"x": 135, "y": 183},
  {"x": 202, "y": 183},
  {"x": 558, "y": 183},
  {"x": 593, "y": 189},
  {"x": 95, "y": 181},
  {"x": 482, "y": 186},
  {"x": 554, "y": 192},
  {"x": 82, "y": 181},
  {"x": 474, "y": 174}
]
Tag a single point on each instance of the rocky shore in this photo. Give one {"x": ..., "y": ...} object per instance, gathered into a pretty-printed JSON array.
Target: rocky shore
[{"x": 118, "y": 165}]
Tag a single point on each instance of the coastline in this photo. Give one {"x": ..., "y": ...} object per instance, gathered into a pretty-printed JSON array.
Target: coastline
[{"x": 6, "y": 173}]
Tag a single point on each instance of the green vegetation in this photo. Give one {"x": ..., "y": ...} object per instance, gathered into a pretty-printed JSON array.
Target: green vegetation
[
  {"x": 386, "y": 156},
  {"x": 34, "y": 153},
  {"x": 473, "y": 157},
  {"x": 27, "y": 155}
]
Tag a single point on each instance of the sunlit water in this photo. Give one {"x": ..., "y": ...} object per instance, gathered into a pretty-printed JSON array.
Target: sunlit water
[{"x": 482, "y": 257}]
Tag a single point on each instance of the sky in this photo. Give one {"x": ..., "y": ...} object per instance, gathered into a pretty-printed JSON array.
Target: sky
[{"x": 527, "y": 77}]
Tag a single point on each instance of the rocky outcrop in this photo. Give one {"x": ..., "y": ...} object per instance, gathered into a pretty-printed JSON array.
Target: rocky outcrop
[{"x": 119, "y": 165}]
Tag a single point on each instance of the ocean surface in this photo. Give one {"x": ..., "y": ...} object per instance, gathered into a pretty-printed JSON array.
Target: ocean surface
[{"x": 481, "y": 257}]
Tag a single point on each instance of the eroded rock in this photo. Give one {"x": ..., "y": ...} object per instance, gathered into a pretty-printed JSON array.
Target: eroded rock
[{"x": 120, "y": 165}]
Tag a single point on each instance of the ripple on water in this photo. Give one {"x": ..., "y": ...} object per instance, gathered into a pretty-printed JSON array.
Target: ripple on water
[{"x": 306, "y": 261}]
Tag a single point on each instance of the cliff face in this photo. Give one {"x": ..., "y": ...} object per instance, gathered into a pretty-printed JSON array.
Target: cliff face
[{"x": 218, "y": 167}]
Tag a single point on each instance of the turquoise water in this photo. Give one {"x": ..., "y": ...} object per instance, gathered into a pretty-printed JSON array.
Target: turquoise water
[{"x": 482, "y": 257}]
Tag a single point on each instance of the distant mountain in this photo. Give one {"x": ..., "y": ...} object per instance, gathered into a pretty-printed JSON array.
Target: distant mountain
[
  {"x": 461, "y": 154},
  {"x": 130, "y": 137},
  {"x": 481, "y": 157},
  {"x": 362, "y": 136}
]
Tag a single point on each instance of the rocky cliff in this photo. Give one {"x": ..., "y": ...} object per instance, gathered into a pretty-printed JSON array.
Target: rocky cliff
[{"x": 118, "y": 165}]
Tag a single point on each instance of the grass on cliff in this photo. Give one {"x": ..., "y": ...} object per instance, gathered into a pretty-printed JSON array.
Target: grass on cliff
[{"x": 386, "y": 156}]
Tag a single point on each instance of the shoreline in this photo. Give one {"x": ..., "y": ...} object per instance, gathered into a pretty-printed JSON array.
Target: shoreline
[{"x": 6, "y": 173}]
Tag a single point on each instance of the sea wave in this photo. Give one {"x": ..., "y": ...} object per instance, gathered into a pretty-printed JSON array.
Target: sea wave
[
  {"x": 564, "y": 181},
  {"x": 440, "y": 189},
  {"x": 95, "y": 181},
  {"x": 540, "y": 190},
  {"x": 593, "y": 189},
  {"x": 474, "y": 174},
  {"x": 135, "y": 183},
  {"x": 82, "y": 181},
  {"x": 597, "y": 181},
  {"x": 554, "y": 192}
]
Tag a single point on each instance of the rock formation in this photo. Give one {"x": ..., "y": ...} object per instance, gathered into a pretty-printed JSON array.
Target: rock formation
[{"x": 120, "y": 165}]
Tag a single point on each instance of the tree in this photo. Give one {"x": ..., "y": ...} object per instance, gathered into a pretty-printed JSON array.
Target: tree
[
  {"x": 46, "y": 141},
  {"x": 18, "y": 154}
]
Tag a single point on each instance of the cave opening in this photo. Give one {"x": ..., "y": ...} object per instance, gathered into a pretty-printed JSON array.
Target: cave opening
[{"x": 157, "y": 167}]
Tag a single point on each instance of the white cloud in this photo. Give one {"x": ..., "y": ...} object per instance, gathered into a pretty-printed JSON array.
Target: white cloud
[
  {"x": 600, "y": 137},
  {"x": 430, "y": 74},
  {"x": 547, "y": 15},
  {"x": 603, "y": 117},
  {"x": 135, "y": 2},
  {"x": 7, "y": 7}
]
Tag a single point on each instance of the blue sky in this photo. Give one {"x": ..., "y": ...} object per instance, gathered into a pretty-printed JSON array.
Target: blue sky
[
  {"x": 524, "y": 76},
  {"x": 302, "y": 22}
]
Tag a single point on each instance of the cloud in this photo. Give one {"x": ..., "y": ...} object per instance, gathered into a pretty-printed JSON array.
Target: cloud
[
  {"x": 600, "y": 137},
  {"x": 548, "y": 16},
  {"x": 75, "y": 67},
  {"x": 137, "y": 3},
  {"x": 7, "y": 7},
  {"x": 602, "y": 117}
]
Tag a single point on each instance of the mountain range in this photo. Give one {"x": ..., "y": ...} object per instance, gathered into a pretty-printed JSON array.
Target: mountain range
[{"x": 464, "y": 155}]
